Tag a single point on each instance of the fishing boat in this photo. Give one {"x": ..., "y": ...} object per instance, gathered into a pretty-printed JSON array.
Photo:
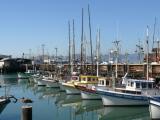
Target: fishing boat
[
  {"x": 50, "y": 82},
  {"x": 88, "y": 92},
  {"x": 82, "y": 80},
  {"x": 135, "y": 92},
  {"x": 25, "y": 75},
  {"x": 69, "y": 85},
  {"x": 154, "y": 108}
]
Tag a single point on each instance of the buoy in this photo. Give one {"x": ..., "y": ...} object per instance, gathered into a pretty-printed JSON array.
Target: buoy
[{"x": 26, "y": 100}]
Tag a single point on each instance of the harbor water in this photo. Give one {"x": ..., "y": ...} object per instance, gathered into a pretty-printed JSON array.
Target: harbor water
[{"x": 53, "y": 104}]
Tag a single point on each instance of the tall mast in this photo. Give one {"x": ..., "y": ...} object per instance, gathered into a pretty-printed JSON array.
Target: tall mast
[
  {"x": 82, "y": 44},
  {"x": 69, "y": 52},
  {"x": 147, "y": 45},
  {"x": 154, "y": 30},
  {"x": 98, "y": 50},
  {"x": 74, "y": 58},
  {"x": 90, "y": 38}
]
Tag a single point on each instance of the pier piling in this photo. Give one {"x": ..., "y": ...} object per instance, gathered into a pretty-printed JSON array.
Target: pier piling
[{"x": 26, "y": 113}]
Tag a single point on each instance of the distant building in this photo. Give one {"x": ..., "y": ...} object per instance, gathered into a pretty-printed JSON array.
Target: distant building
[{"x": 13, "y": 64}]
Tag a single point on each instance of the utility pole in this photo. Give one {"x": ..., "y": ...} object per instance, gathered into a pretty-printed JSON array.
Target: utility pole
[
  {"x": 116, "y": 43},
  {"x": 56, "y": 49},
  {"x": 43, "y": 45}
]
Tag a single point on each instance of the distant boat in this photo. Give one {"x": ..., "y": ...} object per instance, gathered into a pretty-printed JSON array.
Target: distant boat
[
  {"x": 25, "y": 75},
  {"x": 50, "y": 81},
  {"x": 154, "y": 108}
]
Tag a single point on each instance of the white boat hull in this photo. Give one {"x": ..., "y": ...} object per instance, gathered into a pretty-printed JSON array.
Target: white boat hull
[
  {"x": 90, "y": 96},
  {"x": 71, "y": 90},
  {"x": 112, "y": 98},
  {"x": 154, "y": 109}
]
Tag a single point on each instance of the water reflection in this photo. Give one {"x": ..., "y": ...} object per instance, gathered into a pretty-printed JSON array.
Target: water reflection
[
  {"x": 123, "y": 113},
  {"x": 89, "y": 106},
  {"x": 2, "y": 107}
]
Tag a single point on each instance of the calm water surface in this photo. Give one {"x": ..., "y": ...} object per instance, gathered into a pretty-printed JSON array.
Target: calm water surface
[{"x": 51, "y": 104}]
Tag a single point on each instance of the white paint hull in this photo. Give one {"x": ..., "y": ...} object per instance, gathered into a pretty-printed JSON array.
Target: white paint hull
[
  {"x": 90, "y": 96},
  {"x": 113, "y": 98},
  {"x": 154, "y": 109}
]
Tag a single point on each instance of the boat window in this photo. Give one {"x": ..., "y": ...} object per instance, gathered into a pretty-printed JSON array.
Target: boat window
[
  {"x": 93, "y": 79},
  {"x": 84, "y": 79},
  {"x": 102, "y": 82},
  {"x": 129, "y": 83},
  {"x": 149, "y": 85},
  {"x": 107, "y": 82},
  {"x": 74, "y": 78},
  {"x": 89, "y": 79},
  {"x": 144, "y": 85},
  {"x": 132, "y": 84},
  {"x": 137, "y": 85},
  {"x": 99, "y": 82}
]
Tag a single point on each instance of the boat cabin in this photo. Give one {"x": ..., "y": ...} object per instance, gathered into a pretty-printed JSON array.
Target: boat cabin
[
  {"x": 134, "y": 84},
  {"x": 89, "y": 79},
  {"x": 105, "y": 82}
]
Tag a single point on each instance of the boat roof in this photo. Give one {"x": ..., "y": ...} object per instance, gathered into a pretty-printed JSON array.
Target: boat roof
[
  {"x": 91, "y": 76},
  {"x": 136, "y": 80}
]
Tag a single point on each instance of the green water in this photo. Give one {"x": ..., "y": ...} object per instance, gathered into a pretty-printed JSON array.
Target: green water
[{"x": 51, "y": 104}]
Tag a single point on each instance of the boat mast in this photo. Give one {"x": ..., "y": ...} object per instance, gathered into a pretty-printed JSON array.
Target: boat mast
[
  {"x": 90, "y": 38},
  {"x": 98, "y": 51},
  {"x": 69, "y": 52},
  {"x": 81, "y": 70},
  {"x": 73, "y": 49},
  {"x": 147, "y": 45}
]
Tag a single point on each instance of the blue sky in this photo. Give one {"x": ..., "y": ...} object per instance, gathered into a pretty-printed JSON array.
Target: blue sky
[{"x": 27, "y": 24}]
